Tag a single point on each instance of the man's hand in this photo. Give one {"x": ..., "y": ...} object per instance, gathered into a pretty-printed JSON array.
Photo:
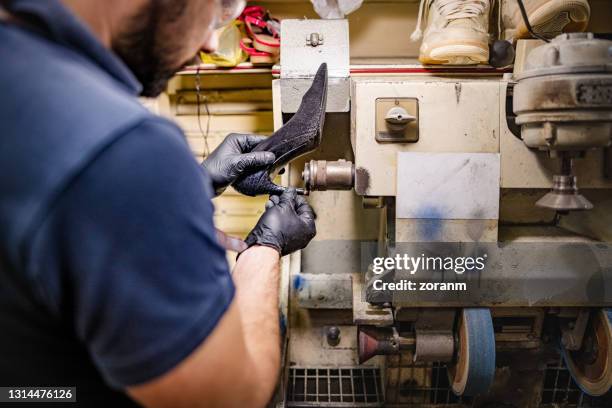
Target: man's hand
[
  {"x": 233, "y": 157},
  {"x": 287, "y": 225}
]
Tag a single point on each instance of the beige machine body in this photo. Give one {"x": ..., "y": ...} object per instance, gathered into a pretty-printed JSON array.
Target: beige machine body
[{"x": 432, "y": 156}]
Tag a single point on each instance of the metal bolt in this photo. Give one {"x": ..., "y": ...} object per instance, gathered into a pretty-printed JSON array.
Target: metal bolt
[
  {"x": 314, "y": 39},
  {"x": 333, "y": 336}
]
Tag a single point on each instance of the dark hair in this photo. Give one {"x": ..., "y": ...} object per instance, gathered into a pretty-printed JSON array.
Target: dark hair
[{"x": 144, "y": 50}]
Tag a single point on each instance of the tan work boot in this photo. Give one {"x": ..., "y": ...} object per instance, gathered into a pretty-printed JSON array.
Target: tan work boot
[
  {"x": 457, "y": 31},
  {"x": 548, "y": 18}
]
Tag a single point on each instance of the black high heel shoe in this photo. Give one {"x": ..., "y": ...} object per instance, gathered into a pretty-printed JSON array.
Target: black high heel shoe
[{"x": 300, "y": 135}]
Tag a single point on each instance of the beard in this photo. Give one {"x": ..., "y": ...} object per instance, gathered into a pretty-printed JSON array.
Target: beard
[{"x": 145, "y": 45}]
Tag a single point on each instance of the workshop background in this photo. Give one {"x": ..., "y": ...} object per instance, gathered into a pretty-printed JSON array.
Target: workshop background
[
  {"x": 210, "y": 102},
  {"x": 240, "y": 99}
]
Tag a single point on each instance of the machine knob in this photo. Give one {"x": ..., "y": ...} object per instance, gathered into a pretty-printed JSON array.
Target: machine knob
[{"x": 398, "y": 118}]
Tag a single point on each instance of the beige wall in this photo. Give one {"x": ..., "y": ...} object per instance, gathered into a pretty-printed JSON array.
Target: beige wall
[
  {"x": 381, "y": 29},
  {"x": 239, "y": 103}
]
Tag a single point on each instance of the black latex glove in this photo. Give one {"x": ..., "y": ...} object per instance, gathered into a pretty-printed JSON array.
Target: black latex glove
[
  {"x": 287, "y": 225},
  {"x": 233, "y": 157}
]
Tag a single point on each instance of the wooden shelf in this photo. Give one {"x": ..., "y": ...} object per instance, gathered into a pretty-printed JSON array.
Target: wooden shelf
[
  {"x": 357, "y": 68},
  {"x": 243, "y": 68},
  {"x": 407, "y": 69}
]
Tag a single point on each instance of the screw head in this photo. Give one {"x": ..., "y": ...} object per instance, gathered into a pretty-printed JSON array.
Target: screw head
[{"x": 333, "y": 335}]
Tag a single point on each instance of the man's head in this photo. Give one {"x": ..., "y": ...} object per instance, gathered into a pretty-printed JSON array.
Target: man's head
[{"x": 162, "y": 36}]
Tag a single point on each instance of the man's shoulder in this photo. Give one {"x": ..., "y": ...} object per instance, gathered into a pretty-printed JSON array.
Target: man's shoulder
[
  {"x": 59, "y": 113},
  {"x": 58, "y": 102},
  {"x": 55, "y": 83}
]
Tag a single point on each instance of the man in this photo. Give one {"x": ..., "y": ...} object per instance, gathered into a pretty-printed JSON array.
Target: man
[{"x": 111, "y": 278}]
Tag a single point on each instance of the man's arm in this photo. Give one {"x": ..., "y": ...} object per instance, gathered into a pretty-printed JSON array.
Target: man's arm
[
  {"x": 257, "y": 299},
  {"x": 238, "y": 364},
  {"x": 132, "y": 261}
]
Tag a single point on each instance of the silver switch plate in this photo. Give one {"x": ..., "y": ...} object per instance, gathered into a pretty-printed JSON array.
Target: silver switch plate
[{"x": 460, "y": 186}]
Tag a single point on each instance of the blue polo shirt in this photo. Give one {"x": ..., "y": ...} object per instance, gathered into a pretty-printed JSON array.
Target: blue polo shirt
[{"x": 110, "y": 272}]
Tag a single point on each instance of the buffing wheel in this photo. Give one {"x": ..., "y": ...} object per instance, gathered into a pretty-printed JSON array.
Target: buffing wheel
[
  {"x": 591, "y": 365},
  {"x": 474, "y": 367}
]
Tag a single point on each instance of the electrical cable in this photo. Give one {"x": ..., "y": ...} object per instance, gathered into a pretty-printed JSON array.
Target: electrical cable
[
  {"x": 199, "y": 112},
  {"x": 528, "y": 24}
]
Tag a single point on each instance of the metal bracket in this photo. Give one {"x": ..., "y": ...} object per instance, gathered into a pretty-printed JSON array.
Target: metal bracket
[
  {"x": 573, "y": 331},
  {"x": 324, "y": 291},
  {"x": 314, "y": 39}
]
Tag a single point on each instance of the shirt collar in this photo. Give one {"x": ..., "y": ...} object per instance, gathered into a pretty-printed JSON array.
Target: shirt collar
[{"x": 64, "y": 28}]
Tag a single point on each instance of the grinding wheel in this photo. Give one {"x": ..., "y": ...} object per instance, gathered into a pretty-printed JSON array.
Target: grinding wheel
[
  {"x": 474, "y": 366},
  {"x": 591, "y": 365}
]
